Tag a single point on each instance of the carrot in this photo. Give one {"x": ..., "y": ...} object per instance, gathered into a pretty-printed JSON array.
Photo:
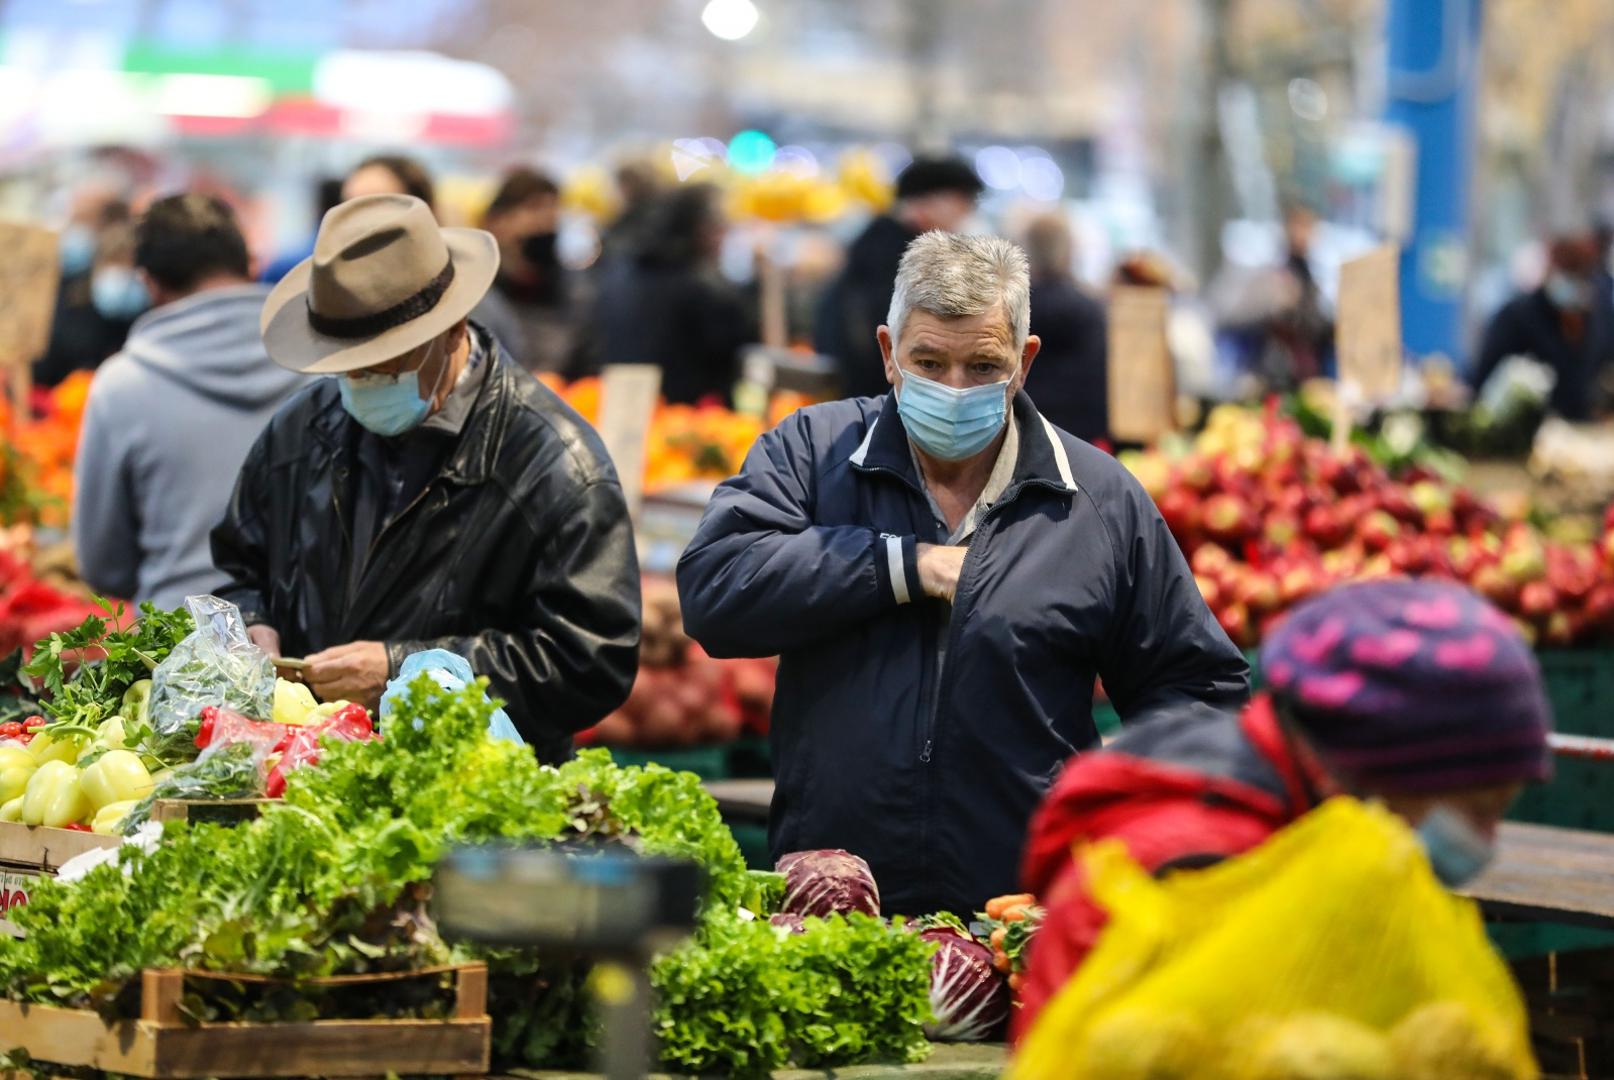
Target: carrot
[
  {"x": 1017, "y": 913},
  {"x": 997, "y": 937},
  {"x": 1016, "y": 981},
  {"x": 996, "y": 906},
  {"x": 1001, "y": 962}
]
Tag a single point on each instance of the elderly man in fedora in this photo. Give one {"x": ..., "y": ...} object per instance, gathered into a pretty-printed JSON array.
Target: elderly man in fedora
[
  {"x": 944, "y": 572},
  {"x": 431, "y": 494}
]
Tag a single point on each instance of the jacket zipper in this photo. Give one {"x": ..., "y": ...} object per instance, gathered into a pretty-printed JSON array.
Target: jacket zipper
[{"x": 953, "y": 621}]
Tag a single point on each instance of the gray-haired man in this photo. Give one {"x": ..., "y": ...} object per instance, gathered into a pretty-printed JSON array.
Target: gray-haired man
[{"x": 944, "y": 573}]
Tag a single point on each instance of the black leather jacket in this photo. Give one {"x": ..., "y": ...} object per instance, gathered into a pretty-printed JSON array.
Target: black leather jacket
[{"x": 518, "y": 554}]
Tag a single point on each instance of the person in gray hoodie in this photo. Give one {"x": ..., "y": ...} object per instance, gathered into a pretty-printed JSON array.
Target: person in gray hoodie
[{"x": 170, "y": 418}]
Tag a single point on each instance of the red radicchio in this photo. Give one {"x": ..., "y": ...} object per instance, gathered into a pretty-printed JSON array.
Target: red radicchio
[
  {"x": 825, "y": 883},
  {"x": 969, "y": 998},
  {"x": 794, "y": 923}
]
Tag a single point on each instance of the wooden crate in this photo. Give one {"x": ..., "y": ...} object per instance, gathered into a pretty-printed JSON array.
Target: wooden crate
[
  {"x": 161, "y": 1044},
  {"x": 211, "y": 810},
  {"x": 1570, "y": 996},
  {"x": 43, "y": 850}
]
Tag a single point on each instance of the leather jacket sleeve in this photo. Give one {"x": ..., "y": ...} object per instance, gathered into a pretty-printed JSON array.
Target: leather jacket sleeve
[
  {"x": 577, "y": 660},
  {"x": 239, "y": 541}
]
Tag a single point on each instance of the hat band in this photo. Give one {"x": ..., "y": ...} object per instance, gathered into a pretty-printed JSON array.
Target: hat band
[{"x": 406, "y": 310}]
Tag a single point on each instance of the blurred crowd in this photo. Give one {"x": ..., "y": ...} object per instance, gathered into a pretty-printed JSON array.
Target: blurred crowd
[{"x": 658, "y": 288}]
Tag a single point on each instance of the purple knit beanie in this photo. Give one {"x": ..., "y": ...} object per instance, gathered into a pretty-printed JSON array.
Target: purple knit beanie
[{"x": 1412, "y": 686}]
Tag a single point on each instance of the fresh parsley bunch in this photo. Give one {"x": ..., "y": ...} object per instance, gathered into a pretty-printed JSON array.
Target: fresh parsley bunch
[{"x": 87, "y": 691}]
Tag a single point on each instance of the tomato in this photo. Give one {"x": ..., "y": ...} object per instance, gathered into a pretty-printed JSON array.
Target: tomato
[
  {"x": 10, "y": 729},
  {"x": 34, "y": 722}
]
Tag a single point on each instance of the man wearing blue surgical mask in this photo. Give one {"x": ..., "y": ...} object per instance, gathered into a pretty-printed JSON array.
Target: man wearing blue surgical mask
[
  {"x": 1563, "y": 324},
  {"x": 431, "y": 494},
  {"x": 944, "y": 574},
  {"x": 100, "y": 296}
]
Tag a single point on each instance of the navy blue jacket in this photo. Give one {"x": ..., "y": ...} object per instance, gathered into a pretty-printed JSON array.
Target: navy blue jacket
[{"x": 809, "y": 553}]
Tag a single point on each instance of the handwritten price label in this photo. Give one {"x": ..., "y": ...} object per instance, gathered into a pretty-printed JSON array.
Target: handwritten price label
[
  {"x": 1143, "y": 380},
  {"x": 1368, "y": 333}
]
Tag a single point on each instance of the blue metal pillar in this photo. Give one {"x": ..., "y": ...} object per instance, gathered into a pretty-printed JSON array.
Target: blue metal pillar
[{"x": 1433, "y": 54}]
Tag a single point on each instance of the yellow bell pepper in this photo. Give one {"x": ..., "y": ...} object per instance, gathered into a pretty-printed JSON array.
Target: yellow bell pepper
[
  {"x": 326, "y": 711},
  {"x": 293, "y": 703},
  {"x": 137, "y": 700},
  {"x": 54, "y": 797},
  {"x": 47, "y": 747},
  {"x": 12, "y": 811},
  {"x": 108, "y": 820},
  {"x": 16, "y": 766},
  {"x": 112, "y": 733},
  {"x": 116, "y": 776}
]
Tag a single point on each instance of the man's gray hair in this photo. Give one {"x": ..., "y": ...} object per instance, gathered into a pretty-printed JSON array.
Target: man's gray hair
[{"x": 952, "y": 276}]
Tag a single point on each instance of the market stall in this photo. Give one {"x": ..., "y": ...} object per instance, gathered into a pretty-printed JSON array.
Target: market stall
[{"x": 185, "y": 947}]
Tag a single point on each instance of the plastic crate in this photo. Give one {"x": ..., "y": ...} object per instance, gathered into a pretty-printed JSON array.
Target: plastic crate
[
  {"x": 706, "y": 762},
  {"x": 1580, "y": 685},
  {"x": 753, "y": 841}
]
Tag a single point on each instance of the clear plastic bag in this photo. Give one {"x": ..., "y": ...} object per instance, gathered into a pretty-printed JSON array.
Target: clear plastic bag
[
  {"x": 228, "y": 771},
  {"x": 216, "y": 664}
]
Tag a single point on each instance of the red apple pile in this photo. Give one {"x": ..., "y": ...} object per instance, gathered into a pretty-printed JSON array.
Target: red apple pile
[
  {"x": 681, "y": 696},
  {"x": 1268, "y": 517}
]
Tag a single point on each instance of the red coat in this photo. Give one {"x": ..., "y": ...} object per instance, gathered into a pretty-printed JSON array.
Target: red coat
[{"x": 1181, "y": 789}]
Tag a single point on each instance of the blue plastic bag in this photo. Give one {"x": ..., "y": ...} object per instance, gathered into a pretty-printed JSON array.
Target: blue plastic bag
[{"x": 451, "y": 671}]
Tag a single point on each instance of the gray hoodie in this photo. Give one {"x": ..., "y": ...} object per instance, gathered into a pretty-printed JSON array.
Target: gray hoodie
[{"x": 168, "y": 423}]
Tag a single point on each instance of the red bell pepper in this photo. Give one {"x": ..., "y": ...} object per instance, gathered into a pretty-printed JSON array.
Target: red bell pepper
[{"x": 300, "y": 747}]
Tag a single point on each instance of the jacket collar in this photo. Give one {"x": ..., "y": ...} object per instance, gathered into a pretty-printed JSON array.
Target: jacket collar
[
  {"x": 478, "y": 446},
  {"x": 1043, "y": 461}
]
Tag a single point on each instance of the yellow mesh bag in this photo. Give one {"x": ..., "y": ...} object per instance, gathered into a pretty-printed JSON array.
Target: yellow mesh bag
[{"x": 1331, "y": 952}]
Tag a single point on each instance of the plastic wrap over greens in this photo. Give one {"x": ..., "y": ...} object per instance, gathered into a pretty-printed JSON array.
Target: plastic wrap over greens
[
  {"x": 969, "y": 999},
  {"x": 828, "y": 882},
  {"x": 217, "y": 664}
]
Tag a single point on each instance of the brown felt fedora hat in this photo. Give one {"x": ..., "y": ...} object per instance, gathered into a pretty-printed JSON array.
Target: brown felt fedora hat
[{"x": 384, "y": 278}]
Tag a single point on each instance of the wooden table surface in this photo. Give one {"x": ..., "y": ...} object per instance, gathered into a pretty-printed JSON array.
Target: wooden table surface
[
  {"x": 1540, "y": 872},
  {"x": 744, "y": 801},
  {"x": 1558, "y": 875},
  {"x": 947, "y": 1061}
]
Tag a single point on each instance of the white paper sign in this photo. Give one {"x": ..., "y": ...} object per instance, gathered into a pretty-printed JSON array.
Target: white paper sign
[
  {"x": 1143, "y": 380},
  {"x": 628, "y": 395}
]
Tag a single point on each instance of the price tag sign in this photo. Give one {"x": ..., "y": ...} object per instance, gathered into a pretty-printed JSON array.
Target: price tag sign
[
  {"x": 14, "y": 886},
  {"x": 1143, "y": 380},
  {"x": 28, "y": 279},
  {"x": 1367, "y": 334},
  {"x": 628, "y": 395}
]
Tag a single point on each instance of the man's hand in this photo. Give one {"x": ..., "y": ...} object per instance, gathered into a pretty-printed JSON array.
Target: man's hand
[
  {"x": 353, "y": 672},
  {"x": 266, "y": 638},
  {"x": 939, "y": 567}
]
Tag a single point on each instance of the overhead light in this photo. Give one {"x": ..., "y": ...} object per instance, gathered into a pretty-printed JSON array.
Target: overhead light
[
  {"x": 409, "y": 83},
  {"x": 238, "y": 96},
  {"x": 730, "y": 20},
  {"x": 999, "y": 167},
  {"x": 751, "y": 151},
  {"x": 1042, "y": 179}
]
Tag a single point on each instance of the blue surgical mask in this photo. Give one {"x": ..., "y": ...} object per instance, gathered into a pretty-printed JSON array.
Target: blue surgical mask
[
  {"x": 76, "y": 246},
  {"x": 118, "y": 293},
  {"x": 388, "y": 404},
  {"x": 1566, "y": 292},
  {"x": 1458, "y": 852},
  {"x": 950, "y": 424}
]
